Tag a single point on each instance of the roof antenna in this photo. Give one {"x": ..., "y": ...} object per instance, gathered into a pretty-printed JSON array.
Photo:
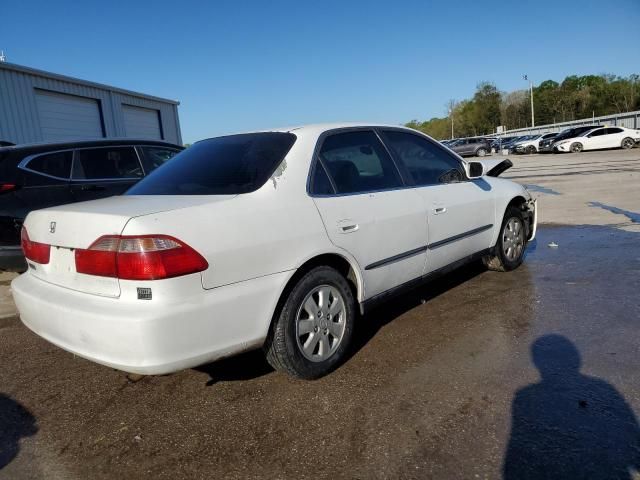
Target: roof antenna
[{"x": 2, "y": 57}]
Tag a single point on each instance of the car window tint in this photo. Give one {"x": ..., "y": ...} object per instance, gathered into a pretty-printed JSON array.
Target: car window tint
[
  {"x": 613, "y": 130},
  {"x": 54, "y": 164},
  {"x": 425, "y": 161},
  {"x": 106, "y": 163},
  {"x": 358, "y": 162},
  {"x": 220, "y": 166},
  {"x": 320, "y": 183},
  {"x": 597, "y": 133},
  {"x": 153, "y": 157}
]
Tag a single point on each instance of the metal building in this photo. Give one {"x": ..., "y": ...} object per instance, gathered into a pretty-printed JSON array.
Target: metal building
[{"x": 38, "y": 106}]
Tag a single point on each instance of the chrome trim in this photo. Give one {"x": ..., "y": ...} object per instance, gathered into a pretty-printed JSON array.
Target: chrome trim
[{"x": 24, "y": 162}]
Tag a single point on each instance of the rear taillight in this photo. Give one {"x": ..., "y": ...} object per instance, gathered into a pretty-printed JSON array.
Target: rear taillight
[
  {"x": 145, "y": 257},
  {"x": 7, "y": 187},
  {"x": 34, "y": 251}
]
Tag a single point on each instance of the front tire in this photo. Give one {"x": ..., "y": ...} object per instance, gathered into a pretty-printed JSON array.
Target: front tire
[
  {"x": 576, "y": 147},
  {"x": 531, "y": 150},
  {"x": 312, "y": 331},
  {"x": 628, "y": 143},
  {"x": 511, "y": 244}
]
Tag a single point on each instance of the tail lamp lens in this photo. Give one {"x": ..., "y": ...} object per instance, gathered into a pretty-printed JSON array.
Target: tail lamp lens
[
  {"x": 34, "y": 251},
  {"x": 146, "y": 257},
  {"x": 7, "y": 187}
]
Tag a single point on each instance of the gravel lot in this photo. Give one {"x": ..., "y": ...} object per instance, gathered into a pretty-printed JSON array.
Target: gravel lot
[{"x": 441, "y": 384}]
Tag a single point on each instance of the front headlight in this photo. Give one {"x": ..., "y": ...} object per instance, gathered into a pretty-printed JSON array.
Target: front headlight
[{"x": 562, "y": 142}]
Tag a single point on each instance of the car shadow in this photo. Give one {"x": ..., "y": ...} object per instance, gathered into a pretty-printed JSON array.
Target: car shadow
[
  {"x": 245, "y": 366},
  {"x": 369, "y": 325},
  {"x": 16, "y": 422},
  {"x": 569, "y": 425}
]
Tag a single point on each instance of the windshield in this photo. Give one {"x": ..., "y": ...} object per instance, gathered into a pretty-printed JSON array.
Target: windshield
[{"x": 219, "y": 166}]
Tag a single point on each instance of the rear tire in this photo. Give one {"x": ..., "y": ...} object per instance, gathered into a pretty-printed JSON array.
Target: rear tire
[
  {"x": 576, "y": 147},
  {"x": 511, "y": 244},
  {"x": 627, "y": 143},
  {"x": 312, "y": 331},
  {"x": 481, "y": 152}
]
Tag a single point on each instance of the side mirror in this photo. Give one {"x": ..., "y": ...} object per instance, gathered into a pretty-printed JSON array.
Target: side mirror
[{"x": 476, "y": 170}]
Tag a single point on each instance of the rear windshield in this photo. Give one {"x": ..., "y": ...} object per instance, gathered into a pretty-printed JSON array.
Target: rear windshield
[{"x": 219, "y": 166}]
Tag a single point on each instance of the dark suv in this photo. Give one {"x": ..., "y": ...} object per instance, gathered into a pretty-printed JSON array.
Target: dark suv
[
  {"x": 44, "y": 175},
  {"x": 467, "y": 147}
]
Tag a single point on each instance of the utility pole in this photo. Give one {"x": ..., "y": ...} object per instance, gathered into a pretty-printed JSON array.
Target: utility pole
[
  {"x": 533, "y": 123},
  {"x": 451, "y": 116}
]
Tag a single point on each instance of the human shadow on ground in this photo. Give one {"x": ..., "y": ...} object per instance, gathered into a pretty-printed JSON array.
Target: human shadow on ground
[
  {"x": 16, "y": 422},
  {"x": 569, "y": 425}
]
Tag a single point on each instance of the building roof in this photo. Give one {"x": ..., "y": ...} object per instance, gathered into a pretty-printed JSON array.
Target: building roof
[{"x": 64, "y": 78}]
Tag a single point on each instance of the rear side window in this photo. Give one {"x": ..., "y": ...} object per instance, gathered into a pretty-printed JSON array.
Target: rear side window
[
  {"x": 56, "y": 164},
  {"x": 219, "y": 166},
  {"x": 427, "y": 163},
  {"x": 320, "y": 183},
  {"x": 106, "y": 163},
  {"x": 153, "y": 157},
  {"x": 613, "y": 130},
  {"x": 358, "y": 162}
]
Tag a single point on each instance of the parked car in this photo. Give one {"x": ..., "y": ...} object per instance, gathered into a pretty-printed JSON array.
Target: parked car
[
  {"x": 532, "y": 144},
  {"x": 36, "y": 176},
  {"x": 468, "y": 147},
  {"x": 510, "y": 145},
  {"x": 547, "y": 145},
  {"x": 497, "y": 143},
  {"x": 599, "y": 138},
  {"x": 272, "y": 239}
]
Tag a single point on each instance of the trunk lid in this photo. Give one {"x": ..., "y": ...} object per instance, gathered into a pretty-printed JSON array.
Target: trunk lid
[{"x": 78, "y": 225}]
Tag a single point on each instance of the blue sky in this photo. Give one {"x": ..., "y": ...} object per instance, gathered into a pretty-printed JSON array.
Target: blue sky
[{"x": 242, "y": 65}]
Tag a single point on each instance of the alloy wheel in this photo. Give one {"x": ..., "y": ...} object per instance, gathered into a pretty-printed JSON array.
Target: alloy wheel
[
  {"x": 320, "y": 323},
  {"x": 513, "y": 239}
]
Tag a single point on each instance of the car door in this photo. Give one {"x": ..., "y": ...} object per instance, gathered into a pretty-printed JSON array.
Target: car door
[
  {"x": 595, "y": 139},
  {"x": 612, "y": 137},
  {"x": 104, "y": 171},
  {"x": 460, "y": 212},
  {"x": 367, "y": 210}
]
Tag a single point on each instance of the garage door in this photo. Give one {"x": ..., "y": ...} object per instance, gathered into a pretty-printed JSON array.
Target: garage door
[
  {"x": 67, "y": 117},
  {"x": 142, "y": 122}
]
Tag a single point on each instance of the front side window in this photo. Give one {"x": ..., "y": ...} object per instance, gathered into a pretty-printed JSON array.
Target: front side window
[
  {"x": 219, "y": 166},
  {"x": 56, "y": 164},
  {"x": 358, "y": 162},
  {"x": 106, "y": 163},
  {"x": 597, "y": 133},
  {"x": 153, "y": 157},
  {"x": 427, "y": 163}
]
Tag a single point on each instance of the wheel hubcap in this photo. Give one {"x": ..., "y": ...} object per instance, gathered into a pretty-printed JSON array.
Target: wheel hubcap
[
  {"x": 320, "y": 323},
  {"x": 513, "y": 239}
]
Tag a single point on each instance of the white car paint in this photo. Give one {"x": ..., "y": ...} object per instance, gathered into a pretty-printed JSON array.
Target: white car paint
[
  {"x": 254, "y": 243},
  {"x": 601, "y": 137}
]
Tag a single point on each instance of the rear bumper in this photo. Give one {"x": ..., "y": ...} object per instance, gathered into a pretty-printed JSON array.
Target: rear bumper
[{"x": 150, "y": 336}]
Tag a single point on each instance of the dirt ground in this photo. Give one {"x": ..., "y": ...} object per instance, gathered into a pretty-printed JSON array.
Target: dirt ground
[{"x": 528, "y": 374}]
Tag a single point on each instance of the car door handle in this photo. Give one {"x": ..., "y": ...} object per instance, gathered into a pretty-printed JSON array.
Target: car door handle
[
  {"x": 347, "y": 226},
  {"x": 91, "y": 188},
  {"x": 439, "y": 210}
]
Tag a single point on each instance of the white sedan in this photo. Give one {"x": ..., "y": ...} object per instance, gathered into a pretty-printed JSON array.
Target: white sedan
[
  {"x": 601, "y": 137},
  {"x": 274, "y": 239}
]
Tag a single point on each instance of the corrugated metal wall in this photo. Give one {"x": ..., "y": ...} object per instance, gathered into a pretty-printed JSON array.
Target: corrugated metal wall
[
  {"x": 20, "y": 122},
  {"x": 627, "y": 119}
]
